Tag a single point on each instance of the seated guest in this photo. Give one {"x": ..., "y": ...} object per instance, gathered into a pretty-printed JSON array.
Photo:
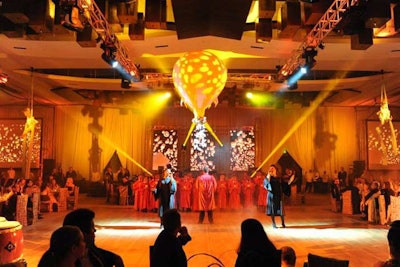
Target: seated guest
[
  {"x": 70, "y": 186},
  {"x": 168, "y": 251},
  {"x": 47, "y": 195},
  {"x": 393, "y": 237},
  {"x": 336, "y": 196},
  {"x": 95, "y": 256},
  {"x": 9, "y": 208},
  {"x": 54, "y": 187},
  {"x": 288, "y": 257},
  {"x": 67, "y": 246},
  {"x": 255, "y": 248},
  {"x": 369, "y": 202}
]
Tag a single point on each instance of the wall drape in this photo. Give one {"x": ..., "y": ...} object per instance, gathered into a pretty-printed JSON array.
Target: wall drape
[
  {"x": 326, "y": 140},
  {"x": 124, "y": 133}
]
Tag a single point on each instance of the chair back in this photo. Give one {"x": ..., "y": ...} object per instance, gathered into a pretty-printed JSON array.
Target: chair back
[
  {"x": 22, "y": 210},
  {"x": 319, "y": 261},
  {"x": 72, "y": 201}
]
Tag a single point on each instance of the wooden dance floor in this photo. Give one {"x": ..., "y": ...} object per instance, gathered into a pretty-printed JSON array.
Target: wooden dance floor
[{"x": 311, "y": 228}]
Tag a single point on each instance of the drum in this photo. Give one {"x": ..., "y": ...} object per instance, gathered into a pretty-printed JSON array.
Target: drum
[{"x": 11, "y": 242}]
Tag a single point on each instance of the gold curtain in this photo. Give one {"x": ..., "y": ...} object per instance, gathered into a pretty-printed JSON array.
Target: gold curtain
[
  {"x": 124, "y": 133},
  {"x": 326, "y": 140}
]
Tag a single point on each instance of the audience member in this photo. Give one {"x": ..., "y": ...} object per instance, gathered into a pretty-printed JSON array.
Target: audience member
[
  {"x": 69, "y": 184},
  {"x": 167, "y": 249},
  {"x": 47, "y": 195},
  {"x": 288, "y": 257},
  {"x": 255, "y": 249},
  {"x": 393, "y": 238},
  {"x": 67, "y": 246},
  {"x": 95, "y": 256},
  {"x": 71, "y": 173},
  {"x": 207, "y": 186}
]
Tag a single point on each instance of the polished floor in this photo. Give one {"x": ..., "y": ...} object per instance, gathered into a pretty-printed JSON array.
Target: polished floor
[{"x": 311, "y": 228}]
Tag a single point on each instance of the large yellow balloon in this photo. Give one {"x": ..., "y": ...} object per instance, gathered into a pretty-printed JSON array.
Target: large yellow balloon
[{"x": 199, "y": 77}]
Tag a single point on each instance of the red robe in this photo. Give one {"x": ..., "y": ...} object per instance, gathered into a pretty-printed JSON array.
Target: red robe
[
  {"x": 207, "y": 186},
  {"x": 222, "y": 194},
  {"x": 137, "y": 191},
  {"x": 262, "y": 192},
  {"x": 144, "y": 196},
  {"x": 185, "y": 190},
  {"x": 248, "y": 191},
  {"x": 234, "y": 194},
  {"x": 153, "y": 204}
]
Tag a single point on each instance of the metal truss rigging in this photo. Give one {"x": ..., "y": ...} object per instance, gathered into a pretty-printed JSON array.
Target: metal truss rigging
[
  {"x": 100, "y": 24},
  {"x": 314, "y": 38}
]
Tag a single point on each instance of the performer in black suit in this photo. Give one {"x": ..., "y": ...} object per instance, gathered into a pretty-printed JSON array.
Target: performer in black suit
[{"x": 276, "y": 187}]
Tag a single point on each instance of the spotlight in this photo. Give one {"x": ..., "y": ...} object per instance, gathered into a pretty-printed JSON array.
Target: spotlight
[
  {"x": 126, "y": 84},
  {"x": 292, "y": 86},
  {"x": 309, "y": 54},
  {"x": 249, "y": 95},
  {"x": 109, "y": 60},
  {"x": 321, "y": 45},
  {"x": 3, "y": 78}
]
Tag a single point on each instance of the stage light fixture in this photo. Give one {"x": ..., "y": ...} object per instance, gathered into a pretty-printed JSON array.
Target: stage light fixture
[
  {"x": 309, "y": 54},
  {"x": 292, "y": 86},
  {"x": 125, "y": 83},
  {"x": 3, "y": 78}
]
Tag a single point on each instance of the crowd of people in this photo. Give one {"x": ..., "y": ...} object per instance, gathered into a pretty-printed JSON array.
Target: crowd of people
[
  {"x": 170, "y": 193},
  {"x": 73, "y": 245},
  {"x": 234, "y": 193},
  {"x": 48, "y": 188}
]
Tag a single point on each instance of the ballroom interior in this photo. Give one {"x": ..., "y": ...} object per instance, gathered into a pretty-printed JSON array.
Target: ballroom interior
[{"x": 342, "y": 111}]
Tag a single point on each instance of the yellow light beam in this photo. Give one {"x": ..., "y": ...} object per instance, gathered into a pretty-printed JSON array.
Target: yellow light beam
[
  {"x": 189, "y": 133},
  {"x": 208, "y": 127},
  {"x": 106, "y": 140},
  {"x": 321, "y": 97}
]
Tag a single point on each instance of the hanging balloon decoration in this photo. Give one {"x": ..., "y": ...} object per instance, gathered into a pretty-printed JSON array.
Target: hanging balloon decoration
[
  {"x": 385, "y": 117},
  {"x": 199, "y": 77}
]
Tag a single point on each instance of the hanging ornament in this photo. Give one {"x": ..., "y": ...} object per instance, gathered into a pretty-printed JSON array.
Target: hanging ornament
[
  {"x": 385, "y": 117},
  {"x": 199, "y": 77}
]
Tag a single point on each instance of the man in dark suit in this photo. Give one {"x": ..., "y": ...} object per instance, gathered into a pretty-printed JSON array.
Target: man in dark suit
[{"x": 83, "y": 218}]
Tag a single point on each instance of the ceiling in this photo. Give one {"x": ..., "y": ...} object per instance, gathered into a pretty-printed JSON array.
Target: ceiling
[{"x": 62, "y": 67}]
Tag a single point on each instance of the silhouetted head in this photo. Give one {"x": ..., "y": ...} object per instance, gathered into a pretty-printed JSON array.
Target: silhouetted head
[
  {"x": 393, "y": 237},
  {"x": 171, "y": 220}
]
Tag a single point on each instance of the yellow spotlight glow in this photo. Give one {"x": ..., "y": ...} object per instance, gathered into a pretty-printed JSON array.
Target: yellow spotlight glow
[
  {"x": 154, "y": 103},
  {"x": 320, "y": 98},
  {"x": 261, "y": 99},
  {"x": 167, "y": 95}
]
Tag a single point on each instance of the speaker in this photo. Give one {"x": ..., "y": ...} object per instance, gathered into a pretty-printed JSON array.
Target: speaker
[
  {"x": 358, "y": 167},
  {"x": 396, "y": 17},
  {"x": 291, "y": 19},
  {"x": 363, "y": 40},
  {"x": 191, "y": 18},
  {"x": 377, "y": 13},
  {"x": 223, "y": 18},
  {"x": 48, "y": 166},
  {"x": 263, "y": 30},
  {"x": 136, "y": 30},
  {"x": 156, "y": 14},
  {"x": 266, "y": 9},
  {"x": 87, "y": 38}
]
